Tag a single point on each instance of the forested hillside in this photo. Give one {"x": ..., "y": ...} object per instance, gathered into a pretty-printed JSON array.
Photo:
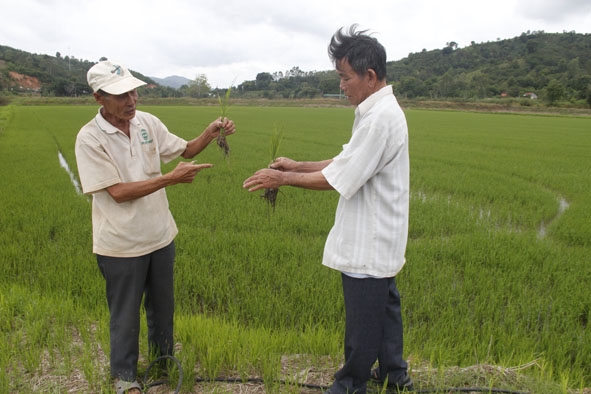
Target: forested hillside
[
  {"x": 552, "y": 66},
  {"x": 23, "y": 72},
  {"x": 549, "y": 65}
]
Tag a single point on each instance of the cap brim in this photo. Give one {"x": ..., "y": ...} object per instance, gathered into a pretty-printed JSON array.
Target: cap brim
[{"x": 123, "y": 86}]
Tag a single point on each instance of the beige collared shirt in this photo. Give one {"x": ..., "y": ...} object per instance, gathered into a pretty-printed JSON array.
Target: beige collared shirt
[
  {"x": 106, "y": 156},
  {"x": 371, "y": 174}
]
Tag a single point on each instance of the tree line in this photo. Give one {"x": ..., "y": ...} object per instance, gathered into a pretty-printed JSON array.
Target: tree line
[
  {"x": 555, "y": 66},
  {"x": 551, "y": 66}
]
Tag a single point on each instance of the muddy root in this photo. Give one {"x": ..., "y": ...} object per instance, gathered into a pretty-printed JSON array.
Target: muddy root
[
  {"x": 271, "y": 196},
  {"x": 223, "y": 144}
]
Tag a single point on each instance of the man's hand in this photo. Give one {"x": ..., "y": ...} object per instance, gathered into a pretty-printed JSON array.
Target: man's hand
[
  {"x": 185, "y": 172},
  {"x": 211, "y": 133},
  {"x": 283, "y": 164},
  {"x": 264, "y": 179},
  {"x": 215, "y": 127}
]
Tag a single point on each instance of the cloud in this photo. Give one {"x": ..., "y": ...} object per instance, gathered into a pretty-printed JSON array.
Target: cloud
[
  {"x": 234, "y": 40},
  {"x": 554, "y": 12}
]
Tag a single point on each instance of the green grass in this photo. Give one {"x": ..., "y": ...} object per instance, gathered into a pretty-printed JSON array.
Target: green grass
[{"x": 483, "y": 285}]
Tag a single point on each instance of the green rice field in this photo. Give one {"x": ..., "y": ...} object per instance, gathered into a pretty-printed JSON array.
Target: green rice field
[{"x": 497, "y": 268}]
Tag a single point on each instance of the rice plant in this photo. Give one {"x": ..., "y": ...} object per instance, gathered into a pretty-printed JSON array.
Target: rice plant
[
  {"x": 502, "y": 293},
  {"x": 224, "y": 103},
  {"x": 270, "y": 194}
]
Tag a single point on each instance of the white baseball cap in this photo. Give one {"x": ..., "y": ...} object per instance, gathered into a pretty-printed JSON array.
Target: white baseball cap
[{"x": 112, "y": 77}]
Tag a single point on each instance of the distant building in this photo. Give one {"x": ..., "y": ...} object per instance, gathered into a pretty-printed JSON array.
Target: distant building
[
  {"x": 333, "y": 95},
  {"x": 531, "y": 95}
]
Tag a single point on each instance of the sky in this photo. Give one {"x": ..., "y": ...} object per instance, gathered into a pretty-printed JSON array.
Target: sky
[{"x": 230, "y": 41}]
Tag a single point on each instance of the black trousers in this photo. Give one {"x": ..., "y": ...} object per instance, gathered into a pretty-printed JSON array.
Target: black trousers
[
  {"x": 373, "y": 332},
  {"x": 127, "y": 281}
]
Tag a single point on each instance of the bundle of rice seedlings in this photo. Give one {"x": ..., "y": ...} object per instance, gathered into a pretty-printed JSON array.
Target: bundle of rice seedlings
[
  {"x": 270, "y": 194},
  {"x": 221, "y": 140}
]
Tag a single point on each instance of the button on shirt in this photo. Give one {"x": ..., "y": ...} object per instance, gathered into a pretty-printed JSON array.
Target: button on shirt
[
  {"x": 105, "y": 157},
  {"x": 371, "y": 174}
]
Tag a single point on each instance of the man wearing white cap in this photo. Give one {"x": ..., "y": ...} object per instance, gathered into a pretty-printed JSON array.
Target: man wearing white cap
[{"x": 119, "y": 154}]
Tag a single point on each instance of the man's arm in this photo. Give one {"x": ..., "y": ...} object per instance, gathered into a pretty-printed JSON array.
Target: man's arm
[
  {"x": 288, "y": 165},
  {"x": 307, "y": 180},
  {"x": 183, "y": 173},
  {"x": 273, "y": 179},
  {"x": 211, "y": 132}
]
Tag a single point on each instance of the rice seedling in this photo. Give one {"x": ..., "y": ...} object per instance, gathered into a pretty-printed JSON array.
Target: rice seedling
[
  {"x": 270, "y": 194},
  {"x": 224, "y": 105}
]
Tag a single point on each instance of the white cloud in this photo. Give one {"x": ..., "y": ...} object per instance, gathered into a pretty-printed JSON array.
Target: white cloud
[
  {"x": 553, "y": 12},
  {"x": 233, "y": 40}
]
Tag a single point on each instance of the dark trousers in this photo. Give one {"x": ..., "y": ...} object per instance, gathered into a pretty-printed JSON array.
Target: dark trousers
[
  {"x": 373, "y": 331},
  {"x": 127, "y": 281}
]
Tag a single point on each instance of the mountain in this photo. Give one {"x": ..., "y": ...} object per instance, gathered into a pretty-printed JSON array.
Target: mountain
[
  {"x": 24, "y": 72},
  {"x": 173, "y": 81},
  {"x": 552, "y": 66},
  {"x": 547, "y": 64}
]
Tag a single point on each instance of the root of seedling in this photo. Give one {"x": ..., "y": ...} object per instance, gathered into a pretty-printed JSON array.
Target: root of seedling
[
  {"x": 223, "y": 144},
  {"x": 271, "y": 196}
]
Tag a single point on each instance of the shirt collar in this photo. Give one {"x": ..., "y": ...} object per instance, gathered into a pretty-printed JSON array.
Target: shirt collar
[
  {"x": 107, "y": 127},
  {"x": 369, "y": 102}
]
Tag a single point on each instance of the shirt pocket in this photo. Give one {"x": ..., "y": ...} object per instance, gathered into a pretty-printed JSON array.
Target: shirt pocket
[{"x": 151, "y": 158}]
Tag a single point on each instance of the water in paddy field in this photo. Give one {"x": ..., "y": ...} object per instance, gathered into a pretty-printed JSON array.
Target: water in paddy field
[
  {"x": 66, "y": 167},
  {"x": 562, "y": 206}
]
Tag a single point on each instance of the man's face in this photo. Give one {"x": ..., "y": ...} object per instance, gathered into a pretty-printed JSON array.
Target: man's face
[
  {"x": 356, "y": 87},
  {"x": 120, "y": 107}
]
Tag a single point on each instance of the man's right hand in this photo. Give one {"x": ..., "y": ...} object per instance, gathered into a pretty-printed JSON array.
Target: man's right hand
[{"x": 185, "y": 172}]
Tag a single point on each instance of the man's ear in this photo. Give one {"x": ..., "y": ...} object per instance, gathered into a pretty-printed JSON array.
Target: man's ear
[
  {"x": 372, "y": 78},
  {"x": 98, "y": 97}
]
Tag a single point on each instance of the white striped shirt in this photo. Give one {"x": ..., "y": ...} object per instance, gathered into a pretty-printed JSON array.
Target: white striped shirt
[{"x": 371, "y": 174}]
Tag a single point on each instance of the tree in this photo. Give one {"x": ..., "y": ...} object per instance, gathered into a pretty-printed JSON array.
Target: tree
[
  {"x": 554, "y": 92},
  {"x": 277, "y": 75},
  {"x": 450, "y": 47},
  {"x": 295, "y": 72},
  {"x": 329, "y": 83},
  {"x": 263, "y": 80},
  {"x": 478, "y": 84},
  {"x": 247, "y": 86},
  {"x": 449, "y": 85},
  {"x": 199, "y": 87},
  {"x": 412, "y": 87}
]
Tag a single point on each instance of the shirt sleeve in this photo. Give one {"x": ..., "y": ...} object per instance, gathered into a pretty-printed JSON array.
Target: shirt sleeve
[
  {"x": 170, "y": 146},
  {"x": 95, "y": 169},
  {"x": 358, "y": 161}
]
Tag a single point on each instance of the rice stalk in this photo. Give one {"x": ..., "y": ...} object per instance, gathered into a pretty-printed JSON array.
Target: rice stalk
[
  {"x": 270, "y": 194},
  {"x": 224, "y": 105}
]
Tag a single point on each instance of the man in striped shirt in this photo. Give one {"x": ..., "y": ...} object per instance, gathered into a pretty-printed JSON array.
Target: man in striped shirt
[{"x": 368, "y": 240}]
